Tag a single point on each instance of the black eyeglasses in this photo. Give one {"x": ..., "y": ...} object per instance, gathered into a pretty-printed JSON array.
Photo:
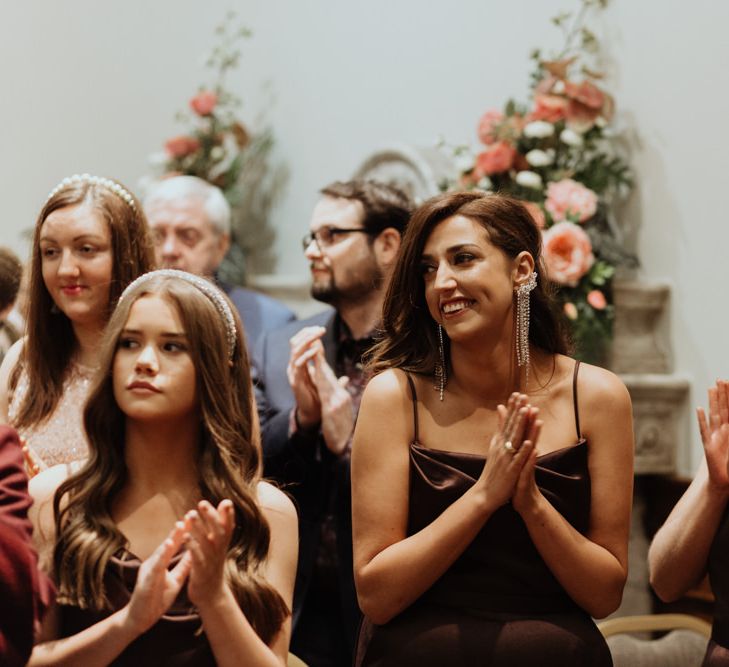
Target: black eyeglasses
[{"x": 325, "y": 236}]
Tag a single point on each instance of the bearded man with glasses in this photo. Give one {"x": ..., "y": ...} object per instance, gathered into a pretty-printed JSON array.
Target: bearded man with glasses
[{"x": 309, "y": 383}]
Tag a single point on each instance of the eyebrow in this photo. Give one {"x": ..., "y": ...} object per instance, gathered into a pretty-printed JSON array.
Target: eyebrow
[
  {"x": 453, "y": 249},
  {"x": 164, "y": 334},
  {"x": 77, "y": 238}
]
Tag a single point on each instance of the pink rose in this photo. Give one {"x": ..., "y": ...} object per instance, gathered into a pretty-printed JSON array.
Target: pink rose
[
  {"x": 597, "y": 299},
  {"x": 536, "y": 212},
  {"x": 181, "y": 146},
  {"x": 570, "y": 198},
  {"x": 567, "y": 253},
  {"x": 570, "y": 310},
  {"x": 487, "y": 125},
  {"x": 204, "y": 102},
  {"x": 551, "y": 108},
  {"x": 498, "y": 158}
]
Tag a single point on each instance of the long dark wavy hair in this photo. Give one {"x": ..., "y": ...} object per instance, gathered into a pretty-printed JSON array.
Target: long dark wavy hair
[
  {"x": 410, "y": 340},
  {"x": 229, "y": 462},
  {"x": 50, "y": 342}
]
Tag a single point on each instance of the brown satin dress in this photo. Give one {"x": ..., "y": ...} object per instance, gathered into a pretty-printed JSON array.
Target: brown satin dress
[
  {"x": 717, "y": 652},
  {"x": 498, "y": 604},
  {"x": 176, "y": 640}
]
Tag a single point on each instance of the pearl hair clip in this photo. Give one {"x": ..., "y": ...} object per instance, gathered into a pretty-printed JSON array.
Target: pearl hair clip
[
  {"x": 206, "y": 287},
  {"x": 107, "y": 183}
]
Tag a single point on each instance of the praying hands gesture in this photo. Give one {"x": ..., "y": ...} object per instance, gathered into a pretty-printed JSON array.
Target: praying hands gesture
[
  {"x": 511, "y": 453},
  {"x": 321, "y": 397}
]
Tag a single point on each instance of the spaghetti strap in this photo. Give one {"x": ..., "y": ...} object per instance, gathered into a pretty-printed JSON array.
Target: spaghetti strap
[
  {"x": 414, "y": 397},
  {"x": 574, "y": 398}
]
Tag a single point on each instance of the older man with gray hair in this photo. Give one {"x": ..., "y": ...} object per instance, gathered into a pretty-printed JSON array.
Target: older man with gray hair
[{"x": 190, "y": 223}]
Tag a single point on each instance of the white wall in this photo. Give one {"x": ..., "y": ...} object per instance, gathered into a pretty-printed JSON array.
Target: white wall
[{"x": 93, "y": 86}]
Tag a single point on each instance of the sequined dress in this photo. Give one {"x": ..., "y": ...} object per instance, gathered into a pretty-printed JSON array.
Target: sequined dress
[{"x": 61, "y": 438}]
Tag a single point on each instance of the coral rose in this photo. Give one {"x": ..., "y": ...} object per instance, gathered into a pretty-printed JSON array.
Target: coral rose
[
  {"x": 551, "y": 108},
  {"x": 498, "y": 158},
  {"x": 568, "y": 198},
  {"x": 597, "y": 299},
  {"x": 567, "y": 253},
  {"x": 535, "y": 210},
  {"x": 487, "y": 125},
  {"x": 204, "y": 103},
  {"x": 181, "y": 146}
]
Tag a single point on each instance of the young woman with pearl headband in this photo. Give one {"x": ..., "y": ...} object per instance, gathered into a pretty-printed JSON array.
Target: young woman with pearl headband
[
  {"x": 166, "y": 545},
  {"x": 90, "y": 241}
]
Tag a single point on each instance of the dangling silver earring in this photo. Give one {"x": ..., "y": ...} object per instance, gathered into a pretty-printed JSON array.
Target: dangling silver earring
[
  {"x": 522, "y": 324},
  {"x": 441, "y": 374}
]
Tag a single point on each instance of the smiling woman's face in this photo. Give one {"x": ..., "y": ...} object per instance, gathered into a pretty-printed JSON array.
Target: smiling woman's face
[
  {"x": 76, "y": 263},
  {"x": 154, "y": 375},
  {"x": 469, "y": 282}
]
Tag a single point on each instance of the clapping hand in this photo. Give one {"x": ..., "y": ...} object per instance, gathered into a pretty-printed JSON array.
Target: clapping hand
[
  {"x": 209, "y": 530},
  {"x": 715, "y": 435},
  {"x": 337, "y": 413},
  {"x": 157, "y": 587},
  {"x": 305, "y": 344}
]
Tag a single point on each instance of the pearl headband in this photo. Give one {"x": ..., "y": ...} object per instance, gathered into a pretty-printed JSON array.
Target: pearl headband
[
  {"x": 107, "y": 183},
  {"x": 206, "y": 287}
]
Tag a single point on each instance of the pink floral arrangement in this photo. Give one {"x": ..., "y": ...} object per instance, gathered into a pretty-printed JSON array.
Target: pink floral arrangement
[
  {"x": 554, "y": 154},
  {"x": 218, "y": 147}
]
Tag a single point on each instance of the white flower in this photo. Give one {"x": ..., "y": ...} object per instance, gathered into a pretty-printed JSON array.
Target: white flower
[
  {"x": 529, "y": 179},
  {"x": 558, "y": 87},
  {"x": 539, "y": 129},
  {"x": 538, "y": 158},
  {"x": 571, "y": 138},
  {"x": 464, "y": 162},
  {"x": 217, "y": 153},
  {"x": 485, "y": 183},
  {"x": 600, "y": 121}
]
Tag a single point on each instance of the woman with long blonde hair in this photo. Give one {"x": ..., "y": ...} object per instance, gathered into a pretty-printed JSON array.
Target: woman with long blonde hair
[{"x": 166, "y": 546}]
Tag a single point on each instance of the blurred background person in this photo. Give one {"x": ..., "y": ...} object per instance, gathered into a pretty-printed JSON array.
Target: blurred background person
[
  {"x": 190, "y": 223},
  {"x": 11, "y": 274},
  {"x": 90, "y": 241},
  {"x": 311, "y": 377}
]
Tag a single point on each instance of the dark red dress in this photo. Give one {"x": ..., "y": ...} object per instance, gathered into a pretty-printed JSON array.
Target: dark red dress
[
  {"x": 498, "y": 604},
  {"x": 176, "y": 640}
]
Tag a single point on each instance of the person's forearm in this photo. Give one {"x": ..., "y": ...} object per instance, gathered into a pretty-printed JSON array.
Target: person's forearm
[
  {"x": 680, "y": 549},
  {"x": 98, "y": 645},
  {"x": 401, "y": 573},
  {"x": 590, "y": 574},
  {"x": 232, "y": 638}
]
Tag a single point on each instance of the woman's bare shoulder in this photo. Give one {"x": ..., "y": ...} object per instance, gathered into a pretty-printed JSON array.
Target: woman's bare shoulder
[{"x": 272, "y": 499}]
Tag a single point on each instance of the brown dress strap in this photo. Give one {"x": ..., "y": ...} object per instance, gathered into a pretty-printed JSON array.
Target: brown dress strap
[
  {"x": 414, "y": 397},
  {"x": 574, "y": 398}
]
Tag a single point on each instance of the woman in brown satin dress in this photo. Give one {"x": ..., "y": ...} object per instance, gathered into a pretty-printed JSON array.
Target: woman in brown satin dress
[
  {"x": 491, "y": 507},
  {"x": 167, "y": 548},
  {"x": 90, "y": 242},
  {"x": 694, "y": 539}
]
